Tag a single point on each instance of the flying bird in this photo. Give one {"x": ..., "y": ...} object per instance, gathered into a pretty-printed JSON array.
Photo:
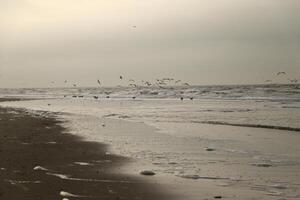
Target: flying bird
[
  {"x": 186, "y": 84},
  {"x": 279, "y": 73},
  {"x": 99, "y": 82},
  {"x": 147, "y": 83},
  {"x": 133, "y": 85},
  {"x": 293, "y": 80}
]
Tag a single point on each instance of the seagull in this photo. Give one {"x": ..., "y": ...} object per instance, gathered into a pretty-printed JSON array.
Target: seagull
[
  {"x": 279, "y": 73},
  {"x": 186, "y": 84},
  {"x": 293, "y": 80},
  {"x": 177, "y": 81},
  {"x": 95, "y": 97},
  {"x": 148, "y": 83},
  {"x": 161, "y": 87},
  {"x": 99, "y": 82},
  {"x": 121, "y": 77},
  {"x": 133, "y": 85}
]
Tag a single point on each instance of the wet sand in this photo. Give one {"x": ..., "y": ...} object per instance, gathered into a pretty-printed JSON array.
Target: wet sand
[{"x": 40, "y": 160}]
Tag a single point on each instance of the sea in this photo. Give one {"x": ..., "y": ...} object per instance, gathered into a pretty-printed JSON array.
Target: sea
[{"x": 183, "y": 131}]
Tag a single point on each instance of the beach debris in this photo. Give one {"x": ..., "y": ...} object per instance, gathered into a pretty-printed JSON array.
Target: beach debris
[
  {"x": 218, "y": 197},
  {"x": 65, "y": 199},
  {"x": 103, "y": 125},
  {"x": 133, "y": 97},
  {"x": 82, "y": 163},
  {"x": 279, "y": 186},
  {"x": 39, "y": 168},
  {"x": 209, "y": 149},
  {"x": 121, "y": 77},
  {"x": 49, "y": 104},
  {"x": 262, "y": 164},
  {"x": 147, "y": 173},
  {"x": 181, "y": 98}
]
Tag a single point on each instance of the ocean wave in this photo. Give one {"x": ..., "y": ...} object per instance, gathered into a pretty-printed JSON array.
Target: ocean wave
[
  {"x": 236, "y": 92},
  {"x": 250, "y": 125}
]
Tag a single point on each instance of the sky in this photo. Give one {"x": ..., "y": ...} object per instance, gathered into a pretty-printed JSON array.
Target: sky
[{"x": 203, "y": 42}]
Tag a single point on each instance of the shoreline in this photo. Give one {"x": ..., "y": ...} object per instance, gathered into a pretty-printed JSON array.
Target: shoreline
[
  {"x": 244, "y": 163},
  {"x": 40, "y": 161}
]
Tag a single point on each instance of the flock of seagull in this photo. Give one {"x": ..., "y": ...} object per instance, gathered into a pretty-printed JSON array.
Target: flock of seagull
[
  {"x": 161, "y": 83},
  {"x": 293, "y": 81}
]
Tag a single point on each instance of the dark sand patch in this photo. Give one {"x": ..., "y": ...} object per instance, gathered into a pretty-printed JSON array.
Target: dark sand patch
[{"x": 41, "y": 163}]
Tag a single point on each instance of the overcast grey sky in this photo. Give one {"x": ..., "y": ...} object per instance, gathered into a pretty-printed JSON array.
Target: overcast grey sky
[{"x": 200, "y": 41}]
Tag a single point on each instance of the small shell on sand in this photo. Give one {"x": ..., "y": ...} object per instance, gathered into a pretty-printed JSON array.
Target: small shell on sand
[
  {"x": 147, "y": 173},
  {"x": 262, "y": 164},
  {"x": 82, "y": 163},
  {"x": 67, "y": 194},
  {"x": 218, "y": 197},
  {"x": 39, "y": 168},
  {"x": 210, "y": 149}
]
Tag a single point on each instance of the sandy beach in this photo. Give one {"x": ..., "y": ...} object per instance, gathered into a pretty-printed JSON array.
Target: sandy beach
[
  {"x": 107, "y": 143},
  {"x": 39, "y": 160}
]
